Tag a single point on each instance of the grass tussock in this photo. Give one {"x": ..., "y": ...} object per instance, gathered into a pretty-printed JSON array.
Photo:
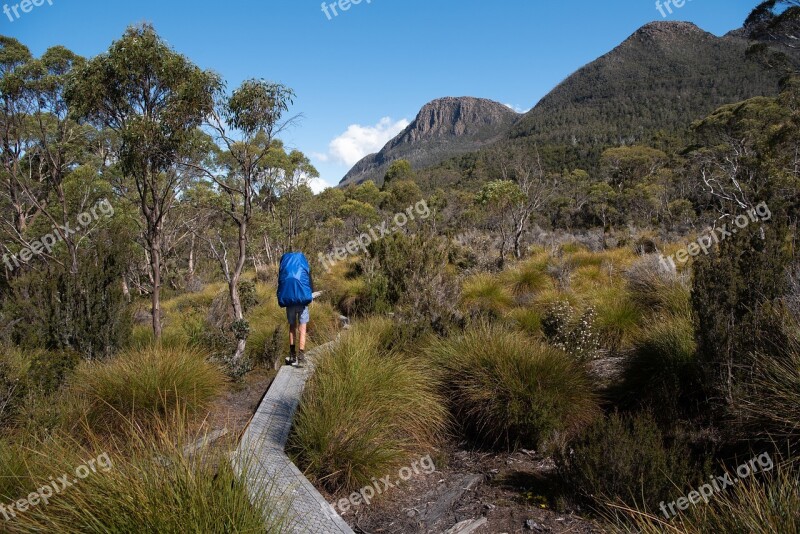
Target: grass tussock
[
  {"x": 486, "y": 295},
  {"x": 135, "y": 484},
  {"x": 657, "y": 290},
  {"x": 509, "y": 390},
  {"x": 762, "y": 504},
  {"x": 529, "y": 277},
  {"x": 143, "y": 385},
  {"x": 618, "y": 317},
  {"x": 661, "y": 372},
  {"x": 365, "y": 413},
  {"x": 772, "y": 406}
]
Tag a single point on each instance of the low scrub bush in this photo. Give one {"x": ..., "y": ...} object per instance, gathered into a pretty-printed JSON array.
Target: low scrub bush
[
  {"x": 662, "y": 373},
  {"x": 365, "y": 412},
  {"x": 509, "y": 390},
  {"x": 625, "y": 459}
]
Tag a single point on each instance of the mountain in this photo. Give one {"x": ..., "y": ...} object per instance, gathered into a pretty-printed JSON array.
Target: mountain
[
  {"x": 662, "y": 77},
  {"x": 443, "y": 128}
]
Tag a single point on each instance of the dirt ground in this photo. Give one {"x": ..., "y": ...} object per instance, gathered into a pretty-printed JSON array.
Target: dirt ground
[
  {"x": 234, "y": 408},
  {"x": 514, "y": 492}
]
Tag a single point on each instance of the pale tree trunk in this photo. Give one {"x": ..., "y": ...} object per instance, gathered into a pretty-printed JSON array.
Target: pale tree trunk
[
  {"x": 233, "y": 286},
  {"x": 126, "y": 290},
  {"x": 191, "y": 258},
  {"x": 155, "y": 268}
]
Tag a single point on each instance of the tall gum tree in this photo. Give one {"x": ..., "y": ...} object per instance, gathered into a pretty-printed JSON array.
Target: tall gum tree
[
  {"x": 244, "y": 125},
  {"x": 154, "y": 99}
]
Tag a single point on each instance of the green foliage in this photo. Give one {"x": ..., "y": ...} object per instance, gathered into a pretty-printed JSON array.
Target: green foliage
[
  {"x": 141, "y": 483},
  {"x": 763, "y": 504},
  {"x": 247, "y": 295},
  {"x": 152, "y": 125},
  {"x": 508, "y": 390},
  {"x": 365, "y": 413},
  {"x": 733, "y": 296},
  {"x": 626, "y": 459},
  {"x": 84, "y": 312},
  {"x": 398, "y": 170},
  {"x": 144, "y": 386},
  {"x": 662, "y": 374},
  {"x": 49, "y": 370},
  {"x": 413, "y": 274}
]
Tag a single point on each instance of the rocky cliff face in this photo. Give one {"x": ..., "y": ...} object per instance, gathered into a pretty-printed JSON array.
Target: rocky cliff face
[{"x": 443, "y": 128}]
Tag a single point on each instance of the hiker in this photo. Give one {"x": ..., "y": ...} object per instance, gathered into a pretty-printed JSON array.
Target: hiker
[{"x": 295, "y": 293}]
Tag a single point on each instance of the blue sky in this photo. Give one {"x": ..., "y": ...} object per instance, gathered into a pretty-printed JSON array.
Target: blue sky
[{"x": 362, "y": 75}]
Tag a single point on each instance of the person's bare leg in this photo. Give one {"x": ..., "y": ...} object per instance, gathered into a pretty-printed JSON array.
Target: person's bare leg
[
  {"x": 302, "y": 340},
  {"x": 292, "y": 333}
]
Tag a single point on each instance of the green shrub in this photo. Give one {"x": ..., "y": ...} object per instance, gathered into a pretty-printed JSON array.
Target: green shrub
[
  {"x": 625, "y": 459},
  {"x": 145, "y": 385},
  {"x": 509, "y": 390},
  {"x": 734, "y": 294},
  {"x": 49, "y": 370},
  {"x": 662, "y": 373},
  {"x": 84, "y": 312},
  {"x": 365, "y": 413}
]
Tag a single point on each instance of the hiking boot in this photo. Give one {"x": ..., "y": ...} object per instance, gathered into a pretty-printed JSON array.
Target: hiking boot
[{"x": 301, "y": 359}]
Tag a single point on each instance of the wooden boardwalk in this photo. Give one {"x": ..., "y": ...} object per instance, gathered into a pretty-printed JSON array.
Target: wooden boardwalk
[{"x": 261, "y": 458}]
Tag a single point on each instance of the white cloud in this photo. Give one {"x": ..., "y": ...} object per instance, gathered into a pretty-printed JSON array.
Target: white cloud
[
  {"x": 359, "y": 141},
  {"x": 518, "y": 109},
  {"x": 318, "y": 185}
]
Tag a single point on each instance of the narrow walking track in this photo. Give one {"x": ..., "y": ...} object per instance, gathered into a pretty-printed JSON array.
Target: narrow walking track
[{"x": 261, "y": 456}]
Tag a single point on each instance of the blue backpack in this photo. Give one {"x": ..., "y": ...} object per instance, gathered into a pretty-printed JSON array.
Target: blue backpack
[{"x": 294, "y": 281}]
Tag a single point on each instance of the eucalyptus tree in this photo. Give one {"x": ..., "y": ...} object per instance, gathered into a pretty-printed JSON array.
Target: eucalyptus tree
[
  {"x": 154, "y": 99},
  {"x": 244, "y": 124},
  {"x": 60, "y": 144},
  {"x": 14, "y": 138}
]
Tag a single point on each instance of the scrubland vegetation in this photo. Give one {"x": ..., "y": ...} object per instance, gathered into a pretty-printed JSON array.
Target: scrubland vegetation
[{"x": 532, "y": 311}]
